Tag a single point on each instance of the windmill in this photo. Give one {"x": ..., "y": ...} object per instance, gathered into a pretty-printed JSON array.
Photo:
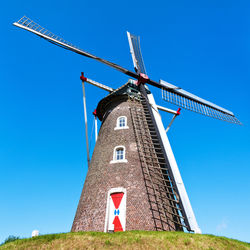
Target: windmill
[{"x": 133, "y": 181}]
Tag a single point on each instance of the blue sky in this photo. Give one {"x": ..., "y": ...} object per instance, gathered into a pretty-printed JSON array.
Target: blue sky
[{"x": 202, "y": 46}]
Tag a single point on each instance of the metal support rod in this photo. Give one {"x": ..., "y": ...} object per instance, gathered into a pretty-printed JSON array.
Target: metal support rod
[
  {"x": 171, "y": 123},
  {"x": 166, "y": 110},
  {"x": 86, "y": 122},
  {"x": 97, "y": 84},
  {"x": 177, "y": 113},
  {"x": 96, "y": 135}
]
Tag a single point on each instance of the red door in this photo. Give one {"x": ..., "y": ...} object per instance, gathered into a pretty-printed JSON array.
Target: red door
[{"x": 117, "y": 198}]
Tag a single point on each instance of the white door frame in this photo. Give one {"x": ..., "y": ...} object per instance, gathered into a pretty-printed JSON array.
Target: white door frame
[{"x": 111, "y": 191}]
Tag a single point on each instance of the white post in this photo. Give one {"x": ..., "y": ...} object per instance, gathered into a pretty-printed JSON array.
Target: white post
[
  {"x": 86, "y": 122},
  {"x": 35, "y": 233}
]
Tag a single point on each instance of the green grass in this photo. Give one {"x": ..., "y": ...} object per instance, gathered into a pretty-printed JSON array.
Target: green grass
[{"x": 126, "y": 240}]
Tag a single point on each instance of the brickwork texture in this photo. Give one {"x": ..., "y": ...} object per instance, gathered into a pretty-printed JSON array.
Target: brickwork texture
[{"x": 103, "y": 175}]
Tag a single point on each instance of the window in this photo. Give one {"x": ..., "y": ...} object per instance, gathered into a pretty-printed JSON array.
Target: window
[
  {"x": 121, "y": 123},
  {"x": 119, "y": 155}
]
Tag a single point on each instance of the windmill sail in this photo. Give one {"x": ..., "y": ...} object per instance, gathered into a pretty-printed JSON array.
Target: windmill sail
[
  {"x": 29, "y": 25},
  {"x": 184, "y": 99},
  {"x": 176, "y": 95},
  {"x": 135, "y": 50},
  {"x": 170, "y": 92}
]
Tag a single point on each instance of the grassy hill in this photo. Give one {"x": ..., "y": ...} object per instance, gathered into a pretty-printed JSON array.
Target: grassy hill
[{"x": 126, "y": 240}]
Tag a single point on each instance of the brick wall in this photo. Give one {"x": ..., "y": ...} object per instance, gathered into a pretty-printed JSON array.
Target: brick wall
[{"x": 102, "y": 176}]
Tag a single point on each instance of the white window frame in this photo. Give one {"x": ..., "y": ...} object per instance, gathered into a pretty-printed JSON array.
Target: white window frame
[
  {"x": 118, "y": 123},
  {"x": 114, "y": 155},
  {"x": 111, "y": 191}
]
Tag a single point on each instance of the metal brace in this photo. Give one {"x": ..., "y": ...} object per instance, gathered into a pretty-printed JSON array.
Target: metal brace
[{"x": 175, "y": 115}]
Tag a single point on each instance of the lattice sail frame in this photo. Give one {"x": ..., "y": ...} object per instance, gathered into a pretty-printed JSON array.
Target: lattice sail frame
[
  {"x": 29, "y": 25},
  {"x": 135, "y": 50},
  {"x": 27, "y": 22},
  {"x": 196, "y": 104}
]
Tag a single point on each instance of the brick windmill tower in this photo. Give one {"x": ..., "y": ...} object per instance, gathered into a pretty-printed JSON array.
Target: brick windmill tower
[
  {"x": 133, "y": 181},
  {"x": 127, "y": 187}
]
